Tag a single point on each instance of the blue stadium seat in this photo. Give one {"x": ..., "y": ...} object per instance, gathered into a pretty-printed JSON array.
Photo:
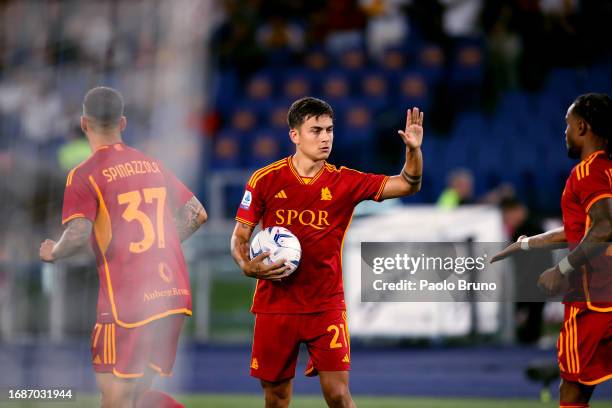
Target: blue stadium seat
[
  {"x": 374, "y": 87},
  {"x": 244, "y": 117},
  {"x": 226, "y": 151},
  {"x": 261, "y": 87},
  {"x": 354, "y": 63},
  {"x": 224, "y": 90},
  {"x": 468, "y": 62},
  {"x": 275, "y": 116},
  {"x": 431, "y": 62},
  {"x": 411, "y": 90},
  {"x": 296, "y": 84},
  {"x": 336, "y": 90},
  {"x": 264, "y": 147}
]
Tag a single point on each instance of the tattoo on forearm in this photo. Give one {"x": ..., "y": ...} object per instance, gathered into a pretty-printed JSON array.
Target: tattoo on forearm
[
  {"x": 413, "y": 180},
  {"x": 187, "y": 218},
  {"x": 74, "y": 237},
  {"x": 597, "y": 237}
]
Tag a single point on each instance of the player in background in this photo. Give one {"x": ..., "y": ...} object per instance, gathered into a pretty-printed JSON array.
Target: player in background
[
  {"x": 585, "y": 342},
  {"x": 315, "y": 200},
  {"x": 139, "y": 214}
]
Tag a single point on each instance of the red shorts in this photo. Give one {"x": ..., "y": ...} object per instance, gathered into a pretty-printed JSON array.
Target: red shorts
[
  {"x": 584, "y": 347},
  {"x": 127, "y": 353},
  {"x": 277, "y": 338}
]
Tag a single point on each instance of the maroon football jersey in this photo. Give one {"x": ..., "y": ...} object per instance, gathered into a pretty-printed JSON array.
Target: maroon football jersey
[
  {"x": 318, "y": 210},
  {"x": 131, "y": 198},
  {"x": 589, "y": 182}
]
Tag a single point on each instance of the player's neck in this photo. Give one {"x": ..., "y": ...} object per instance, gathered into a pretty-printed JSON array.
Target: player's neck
[
  {"x": 588, "y": 150},
  {"x": 96, "y": 141},
  {"x": 305, "y": 166}
]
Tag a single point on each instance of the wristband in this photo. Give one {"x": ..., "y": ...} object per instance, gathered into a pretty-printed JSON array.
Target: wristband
[
  {"x": 565, "y": 266},
  {"x": 524, "y": 243}
]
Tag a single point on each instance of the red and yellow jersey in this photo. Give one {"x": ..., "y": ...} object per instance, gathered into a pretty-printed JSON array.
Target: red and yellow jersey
[
  {"x": 589, "y": 182},
  {"x": 130, "y": 199},
  {"x": 318, "y": 210}
]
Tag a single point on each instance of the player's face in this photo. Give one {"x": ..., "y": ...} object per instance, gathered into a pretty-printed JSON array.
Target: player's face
[
  {"x": 572, "y": 139},
  {"x": 314, "y": 138}
]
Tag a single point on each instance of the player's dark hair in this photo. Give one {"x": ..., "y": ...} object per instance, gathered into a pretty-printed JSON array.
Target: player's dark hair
[
  {"x": 104, "y": 105},
  {"x": 305, "y": 108},
  {"x": 596, "y": 110}
]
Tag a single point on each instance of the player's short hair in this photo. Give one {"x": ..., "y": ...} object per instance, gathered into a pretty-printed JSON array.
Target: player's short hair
[
  {"x": 104, "y": 105},
  {"x": 305, "y": 108},
  {"x": 596, "y": 110}
]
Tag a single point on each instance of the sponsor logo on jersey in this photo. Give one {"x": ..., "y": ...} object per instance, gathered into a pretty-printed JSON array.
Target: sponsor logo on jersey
[
  {"x": 346, "y": 359},
  {"x": 254, "y": 364},
  {"x": 326, "y": 194},
  {"x": 245, "y": 204}
]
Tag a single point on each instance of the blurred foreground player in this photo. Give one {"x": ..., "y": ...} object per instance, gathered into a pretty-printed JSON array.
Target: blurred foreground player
[
  {"x": 585, "y": 342},
  {"x": 139, "y": 213},
  {"x": 315, "y": 200}
]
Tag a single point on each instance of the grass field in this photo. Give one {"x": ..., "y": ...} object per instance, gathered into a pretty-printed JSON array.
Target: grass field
[{"x": 252, "y": 401}]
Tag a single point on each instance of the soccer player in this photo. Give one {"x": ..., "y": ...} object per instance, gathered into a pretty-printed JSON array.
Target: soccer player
[
  {"x": 139, "y": 213},
  {"x": 315, "y": 201},
  {"x": 585, "y": 343}
]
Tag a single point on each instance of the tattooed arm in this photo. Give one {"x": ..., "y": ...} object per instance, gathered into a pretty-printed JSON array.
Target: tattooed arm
[
  {"x": 189, "y": 218},
  {"x": 595, "y": 241},
  {"x": 75, "y": 235}
]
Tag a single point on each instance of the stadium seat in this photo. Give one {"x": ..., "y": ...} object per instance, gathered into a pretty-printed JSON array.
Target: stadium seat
[
  {"x": 375, "y": 87},
  {"x": 244, "y": 118},
  {"x": 264, "y": 147},
  {"x": 275, "y": 115},
  {"x": 431, "y": 62},
  {"x": 226, "y": 151},
  {"x": 354, "y": 63},
  {"x": 412, "y": 90},
  {"x": 296, "y": 84}
]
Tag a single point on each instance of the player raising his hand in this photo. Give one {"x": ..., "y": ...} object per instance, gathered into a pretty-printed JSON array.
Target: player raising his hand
[{"x": 315, "y": 200}]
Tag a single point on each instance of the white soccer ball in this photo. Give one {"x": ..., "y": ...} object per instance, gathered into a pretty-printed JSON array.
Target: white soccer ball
[{"x": 280, "y": 243}]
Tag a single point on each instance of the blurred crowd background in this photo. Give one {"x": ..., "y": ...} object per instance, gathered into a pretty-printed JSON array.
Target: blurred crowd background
[{"x": 207, "y": 85}]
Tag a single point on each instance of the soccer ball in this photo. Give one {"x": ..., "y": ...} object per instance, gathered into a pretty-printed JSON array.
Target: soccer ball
[{"x": 280, "y": 243}]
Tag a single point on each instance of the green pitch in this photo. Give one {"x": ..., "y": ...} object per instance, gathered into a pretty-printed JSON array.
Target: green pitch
[{"x": 256, "y": 401}]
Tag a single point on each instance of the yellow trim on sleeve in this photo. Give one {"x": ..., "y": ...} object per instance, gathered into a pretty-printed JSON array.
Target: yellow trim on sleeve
[
  {"x": 72, "y": 217},
  {"x": 381, "y": 188},
  {"x": 594, "y": 200},
  {"x": 242, "y": 220}
]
